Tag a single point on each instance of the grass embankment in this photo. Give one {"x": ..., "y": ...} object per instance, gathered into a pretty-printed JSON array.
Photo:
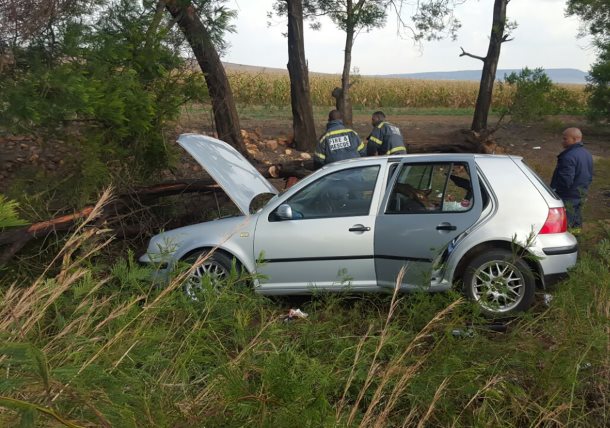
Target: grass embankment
[{"x": 91, "y": 343}]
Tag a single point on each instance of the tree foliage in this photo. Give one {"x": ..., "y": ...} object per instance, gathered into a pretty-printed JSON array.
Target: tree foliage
[
  {"x": 115, "y": 72},
  {"x": 534, "y": 95},
  {"x": 595, "y": 16}
]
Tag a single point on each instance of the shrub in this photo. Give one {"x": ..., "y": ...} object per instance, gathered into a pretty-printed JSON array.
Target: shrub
[{"x": 532, "y": 89}]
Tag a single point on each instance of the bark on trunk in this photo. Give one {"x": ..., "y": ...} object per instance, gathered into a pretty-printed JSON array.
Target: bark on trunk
[
  {"x": 300, "y": 96},
  {"x": 341, "y": 95},
  {"x": 490, "y": 66},
  {"x": 223, "y": 105}
]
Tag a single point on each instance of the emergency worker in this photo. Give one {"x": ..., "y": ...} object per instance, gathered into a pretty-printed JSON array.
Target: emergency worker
[
  {"x": 385, "y": 138},
  {"x": 337, "y": 143}
]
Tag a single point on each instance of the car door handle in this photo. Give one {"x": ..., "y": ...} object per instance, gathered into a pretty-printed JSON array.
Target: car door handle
[
  {"x": 359, "y": 228},
  {"x": 446, "y": 226}
]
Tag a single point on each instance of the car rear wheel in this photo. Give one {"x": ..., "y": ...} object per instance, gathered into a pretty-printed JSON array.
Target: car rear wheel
[
  {"x": 500, "y": 282},
  {"x": 217, "y": 267}
]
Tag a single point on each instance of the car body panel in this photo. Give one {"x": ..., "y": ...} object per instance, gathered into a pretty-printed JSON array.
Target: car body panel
[
  {"x": 412, "y": 239},
  {"x": 237, "y": 177},
  {"x": 515, "y": 217},
  {"x": 233, "y": 235},
  {"x": 321, "y": 253}
]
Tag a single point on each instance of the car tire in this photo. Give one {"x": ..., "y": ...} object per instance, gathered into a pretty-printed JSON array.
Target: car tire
[
  {"x": 217, "y": 266},
  {"x": 501, "y": 283}
]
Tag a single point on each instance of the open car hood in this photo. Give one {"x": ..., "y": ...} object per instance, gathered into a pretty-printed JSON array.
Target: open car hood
[{"x": 237, "y": 177}]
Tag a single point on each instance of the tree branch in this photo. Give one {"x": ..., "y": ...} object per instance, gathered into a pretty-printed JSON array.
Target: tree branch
[{"x": 464, "y": 53}]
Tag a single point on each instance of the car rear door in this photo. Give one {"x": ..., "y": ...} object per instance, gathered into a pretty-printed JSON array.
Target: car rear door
[{"x": 429, "y": 202}]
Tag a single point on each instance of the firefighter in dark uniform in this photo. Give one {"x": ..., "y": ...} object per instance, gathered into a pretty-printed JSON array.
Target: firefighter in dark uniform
[
  {"x": 385, "y": 138},
  {"x": 337, "y": 143}
]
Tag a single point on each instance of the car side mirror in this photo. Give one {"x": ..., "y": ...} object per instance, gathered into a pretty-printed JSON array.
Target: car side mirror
[{"x": 284, "y": 212}]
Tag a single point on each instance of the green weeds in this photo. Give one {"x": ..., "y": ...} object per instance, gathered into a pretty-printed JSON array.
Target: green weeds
[{"x": 83, "y": 346}]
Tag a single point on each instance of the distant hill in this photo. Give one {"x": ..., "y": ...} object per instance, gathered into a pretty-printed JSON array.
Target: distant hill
[{"x": 558, "y": 75}]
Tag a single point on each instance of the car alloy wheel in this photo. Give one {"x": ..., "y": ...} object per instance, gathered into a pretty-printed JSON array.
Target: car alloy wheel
[
  {"x": 500, "y": 282},
  {"x": 216, "y": 267}
]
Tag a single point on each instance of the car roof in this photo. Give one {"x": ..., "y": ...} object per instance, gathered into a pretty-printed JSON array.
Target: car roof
[{"x": 417, "y": 156}]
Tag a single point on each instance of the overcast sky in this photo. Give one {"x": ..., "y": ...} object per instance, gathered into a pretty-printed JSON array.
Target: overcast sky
[{"x": 544, "y": 38}]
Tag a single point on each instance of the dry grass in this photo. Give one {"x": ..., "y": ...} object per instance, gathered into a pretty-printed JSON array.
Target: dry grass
[{"x": 252, "y": 89}]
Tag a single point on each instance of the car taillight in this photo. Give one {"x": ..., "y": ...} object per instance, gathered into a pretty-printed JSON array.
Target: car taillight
[{"x": 556, "y": 221}]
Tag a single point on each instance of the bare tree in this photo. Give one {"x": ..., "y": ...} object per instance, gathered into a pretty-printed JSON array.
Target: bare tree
[
  {"x": 500, "y": 33},
  {"x": 201, "y": 40}
]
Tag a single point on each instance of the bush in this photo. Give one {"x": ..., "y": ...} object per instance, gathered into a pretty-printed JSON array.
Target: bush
[{"x": 532, "y": 89}]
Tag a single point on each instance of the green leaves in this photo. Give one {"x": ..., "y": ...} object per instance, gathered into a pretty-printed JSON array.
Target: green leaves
[
  {"x": 8, "y": 214},
  {"x": 595, "y": 16},
  {"x": 534, "y": 95}
]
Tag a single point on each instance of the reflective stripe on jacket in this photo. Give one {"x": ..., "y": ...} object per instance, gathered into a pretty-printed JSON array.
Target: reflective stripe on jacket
[
  {"x": 385, "y": 139},
  {"x": 338, "y": 143}
]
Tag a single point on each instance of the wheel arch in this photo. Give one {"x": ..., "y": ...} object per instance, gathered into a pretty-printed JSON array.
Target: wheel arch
[
  {"x": 215, "y": 249},
  {"x": 478, "y": 249}
]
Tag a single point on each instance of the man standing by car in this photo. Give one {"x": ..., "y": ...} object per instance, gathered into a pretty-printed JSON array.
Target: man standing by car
[
  {"x": 385, "y": 138},
  {"x": 573, "y": 175},
  {"x": 337, "y": 143}
]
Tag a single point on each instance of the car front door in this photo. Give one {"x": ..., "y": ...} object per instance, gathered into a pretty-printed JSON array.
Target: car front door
[
  {"x": 428, "y": 203},
  {"x": 327, "y": 243}
]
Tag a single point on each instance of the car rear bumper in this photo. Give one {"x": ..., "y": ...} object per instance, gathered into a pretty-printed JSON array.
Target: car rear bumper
[{"x": 558, "y": 251}]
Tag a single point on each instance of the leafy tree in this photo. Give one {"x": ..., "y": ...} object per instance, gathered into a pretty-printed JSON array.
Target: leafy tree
[
  {"x": 433, "y": 19},
  {"x": 595, "y": 16},
  {"x": 116, "y": 73},
  {"x": 351, "y": 16}
]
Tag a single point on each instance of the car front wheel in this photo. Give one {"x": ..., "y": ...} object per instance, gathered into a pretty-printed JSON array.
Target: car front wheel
[
  {"x": 501, "y": 282},
  {"x": 217, "y": 267}
]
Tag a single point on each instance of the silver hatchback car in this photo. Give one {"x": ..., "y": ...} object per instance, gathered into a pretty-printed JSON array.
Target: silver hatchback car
[{"x": 486, "y": 222}]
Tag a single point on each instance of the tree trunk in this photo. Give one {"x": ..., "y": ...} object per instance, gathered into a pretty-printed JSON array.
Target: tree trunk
[
  {"x": 223, "y": 105},
  {"x": 490, "y": 66},
  {"x": 300, "y": 96},
  {"x": 341, "y": 95}
]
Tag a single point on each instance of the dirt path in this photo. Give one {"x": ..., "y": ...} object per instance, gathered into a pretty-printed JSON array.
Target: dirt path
[{"x": 538, "y": 143}]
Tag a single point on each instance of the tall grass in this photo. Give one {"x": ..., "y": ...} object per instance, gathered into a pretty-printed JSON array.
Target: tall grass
[{"x": 93, "y": 343}]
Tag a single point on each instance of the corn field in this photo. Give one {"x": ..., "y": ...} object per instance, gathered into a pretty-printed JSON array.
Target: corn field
[{"x": 271, "y": 89}]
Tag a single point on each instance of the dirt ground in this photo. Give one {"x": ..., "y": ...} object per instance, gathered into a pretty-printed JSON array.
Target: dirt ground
[{"x": 268, "y": 141}]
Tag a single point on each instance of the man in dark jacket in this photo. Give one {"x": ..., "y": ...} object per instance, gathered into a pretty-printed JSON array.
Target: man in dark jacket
[
  {"x": 573, "y": 175},
  {"x": 385, "y": 138},
  {"x": 337, "y": 143}
]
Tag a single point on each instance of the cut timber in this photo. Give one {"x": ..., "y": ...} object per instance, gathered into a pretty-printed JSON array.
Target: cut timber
[{"x": 298, "y": 168}]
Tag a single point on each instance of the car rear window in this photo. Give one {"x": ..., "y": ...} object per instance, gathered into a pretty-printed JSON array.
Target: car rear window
[{"x": 542, "y": 183}]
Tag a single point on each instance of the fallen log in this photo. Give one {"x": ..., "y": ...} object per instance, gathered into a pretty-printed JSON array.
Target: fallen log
[{"x": 19, "y": 237}]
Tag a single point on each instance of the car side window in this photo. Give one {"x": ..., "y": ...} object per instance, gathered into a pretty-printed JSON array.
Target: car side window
[
  {"x": 429, "y": 188},
  {"x": 344, "y": 193}
]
